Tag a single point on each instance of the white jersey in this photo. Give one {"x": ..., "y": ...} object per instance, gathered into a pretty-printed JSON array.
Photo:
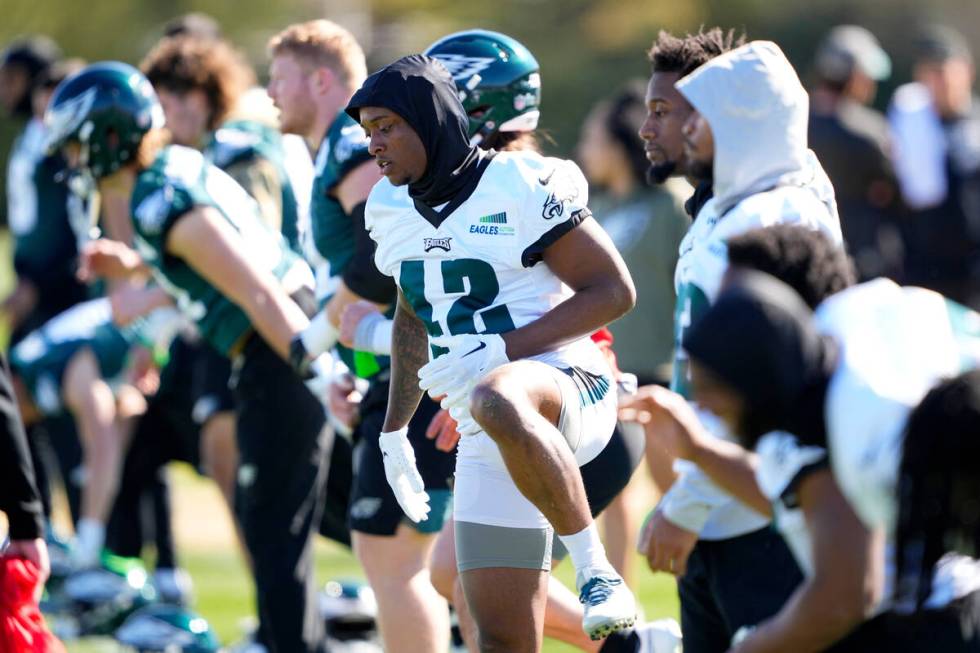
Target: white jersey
[
  {"x": 480, "y": 270},
  {"x": 895, "y": 344},
  {"x": 694, "y": 502}
]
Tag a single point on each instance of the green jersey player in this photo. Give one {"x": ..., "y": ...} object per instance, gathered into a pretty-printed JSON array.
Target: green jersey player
[
  {"x": 201, "y": 236},
  {"x": 315, "y": 68}
]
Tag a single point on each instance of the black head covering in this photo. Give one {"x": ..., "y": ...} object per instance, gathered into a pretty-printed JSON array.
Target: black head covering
[
  {"x": 760, "y": 339},
  {"x": 420, "y": 89}
]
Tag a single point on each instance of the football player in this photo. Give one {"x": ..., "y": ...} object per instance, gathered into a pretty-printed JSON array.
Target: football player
[
  {"x": 315, "y": 69},
  {"x": 71, "y": 365},
  {"x": 748, "y": 175},
  {"x": 201, "y": 236},
  {"x": 500, "y": 87},
  {"x": 844, "y": 381},
  {"x": 464, "y": 233},
  {"x": 202, "y": 85}
]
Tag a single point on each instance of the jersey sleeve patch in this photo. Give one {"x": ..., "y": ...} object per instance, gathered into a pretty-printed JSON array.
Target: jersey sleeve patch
[
  {"x": 557, "y": 204},
  {"x": 159, "y": 210},
  {"x": 783, "y": 463},
  {"x": 348, "y": 150}
]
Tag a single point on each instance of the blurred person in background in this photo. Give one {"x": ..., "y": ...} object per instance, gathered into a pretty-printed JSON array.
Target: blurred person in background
[
  {"x": 45, "y": 244},
  {"x": 81, "y": 365},
  {"x": 745, "y": 141},
  {"x": 41, "y": 215},
  {"x": 646, "y": 223},
  {"x": 314, "y": 70},
  {"x": 852, "y": 142},
  {"x": 935, "y": 123},
  {"x": 50, "y": 223},
  {"x": 201, "y": 236},
  {"x": 672, "y": 57},
  {"x": 195, "y": 23}
]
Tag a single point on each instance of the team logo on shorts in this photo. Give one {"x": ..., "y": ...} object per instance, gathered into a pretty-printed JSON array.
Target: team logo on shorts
[{"x": 437, "y": 243}]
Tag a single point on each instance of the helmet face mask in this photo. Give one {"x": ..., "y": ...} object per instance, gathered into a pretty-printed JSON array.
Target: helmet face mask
[
  {"x": 106, "y": 108},
  {"x": 497, "y": 79}
]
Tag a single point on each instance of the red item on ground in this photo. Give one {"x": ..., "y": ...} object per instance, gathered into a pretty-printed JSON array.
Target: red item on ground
[{"x": 22, "y": 628}]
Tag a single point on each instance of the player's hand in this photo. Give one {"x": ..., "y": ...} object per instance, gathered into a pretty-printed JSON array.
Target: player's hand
[
  {"x": 129, "y": 302},
  {"x": 343, "y": 400},
  {"x": 402, "y": 474},
  {"x": 36, "y": 551},
  {"x": 666, "y": 545},
  {"x": 142, "y": 371},
  {"x": 351, "y": 318},
  {"x": 442, "y": 429},
  {"x": 456, "y": 373},
  {"x": 667, "y": 418},
  {"x": 108, "y": 259}
]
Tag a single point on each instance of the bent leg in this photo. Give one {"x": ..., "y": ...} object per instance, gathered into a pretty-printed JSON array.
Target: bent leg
[
  {"x": 90, "y": 400},
  {"x": 518, "y": 406}
]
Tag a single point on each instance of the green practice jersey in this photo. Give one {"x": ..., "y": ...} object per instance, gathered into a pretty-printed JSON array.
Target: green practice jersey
[
  {"x": 179, "y": 180},
  {"x": 252, "y": 153},
  {"x": 343, "y": 149}
]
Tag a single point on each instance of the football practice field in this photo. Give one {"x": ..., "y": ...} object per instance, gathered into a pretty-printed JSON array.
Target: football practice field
[{"x": 223, "y": 592}]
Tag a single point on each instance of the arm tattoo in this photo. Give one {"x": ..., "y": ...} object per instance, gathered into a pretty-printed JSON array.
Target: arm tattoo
[{"x": 409, "y": 352}]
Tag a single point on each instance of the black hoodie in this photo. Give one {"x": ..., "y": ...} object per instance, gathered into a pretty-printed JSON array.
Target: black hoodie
[{"x": 420, "y": 90}]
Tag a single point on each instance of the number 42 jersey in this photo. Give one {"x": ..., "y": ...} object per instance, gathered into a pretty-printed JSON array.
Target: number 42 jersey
[{"x": 474, "y": 265}]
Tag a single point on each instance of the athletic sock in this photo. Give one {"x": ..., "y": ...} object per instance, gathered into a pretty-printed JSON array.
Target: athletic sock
[
  {"x": 586, "y": 551},
  {"x": 89, "y": 540}
]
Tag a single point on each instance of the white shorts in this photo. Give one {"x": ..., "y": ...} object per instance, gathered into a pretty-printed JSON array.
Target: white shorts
[{"x": 484, "y": 492}]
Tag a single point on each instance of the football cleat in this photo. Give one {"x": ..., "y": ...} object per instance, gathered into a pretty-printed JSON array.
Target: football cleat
[
  {"x": 173, "y": 585},
  {"x": 609, "y": 605},
  {"x": 167, "y": 628}
]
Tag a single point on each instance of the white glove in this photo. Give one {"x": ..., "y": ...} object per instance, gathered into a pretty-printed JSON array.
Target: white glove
[
  {"x": 402, "y": 474},
  {"x": 454, "y": 374}
]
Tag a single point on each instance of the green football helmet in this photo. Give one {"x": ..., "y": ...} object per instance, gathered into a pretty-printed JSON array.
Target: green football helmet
[
  {"x": 107, "y": 108},
  {"x": 497, "y": 78},
  {"x": 164, "y": 628}
]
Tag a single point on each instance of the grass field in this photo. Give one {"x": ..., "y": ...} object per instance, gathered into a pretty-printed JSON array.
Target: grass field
[{"x": 224, "y": 594}]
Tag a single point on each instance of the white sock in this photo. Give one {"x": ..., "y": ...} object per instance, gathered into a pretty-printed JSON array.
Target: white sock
[
  {"x": 89, "y": 539},
  {"x": 586, "y": 551}
]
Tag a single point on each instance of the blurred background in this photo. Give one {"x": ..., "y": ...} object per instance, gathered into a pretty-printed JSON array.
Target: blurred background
[{"x": 586, "y": 48}]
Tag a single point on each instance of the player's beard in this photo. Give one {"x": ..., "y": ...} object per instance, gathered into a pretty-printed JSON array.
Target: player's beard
[
  {"x": 659, "y": 173},
  {"x": 701, "y": 170}
]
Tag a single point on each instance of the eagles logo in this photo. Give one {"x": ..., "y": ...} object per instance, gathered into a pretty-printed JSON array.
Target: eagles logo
[
  {"x": 462, "y": 67},
  {"x": 563, "y": 191},
  {"x": 437, "y": 243}
]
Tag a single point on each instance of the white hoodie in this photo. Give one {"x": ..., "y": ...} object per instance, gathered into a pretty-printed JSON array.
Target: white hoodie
[{"x": 763, "y": 175}]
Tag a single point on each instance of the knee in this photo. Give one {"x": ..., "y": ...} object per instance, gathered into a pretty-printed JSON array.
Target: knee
[{"x": 493, "y": 404}]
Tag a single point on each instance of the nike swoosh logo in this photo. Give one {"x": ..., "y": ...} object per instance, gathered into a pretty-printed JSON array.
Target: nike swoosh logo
[
  {"x": 483, "y": 345},
  {"x": 544, "y": 180}
]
